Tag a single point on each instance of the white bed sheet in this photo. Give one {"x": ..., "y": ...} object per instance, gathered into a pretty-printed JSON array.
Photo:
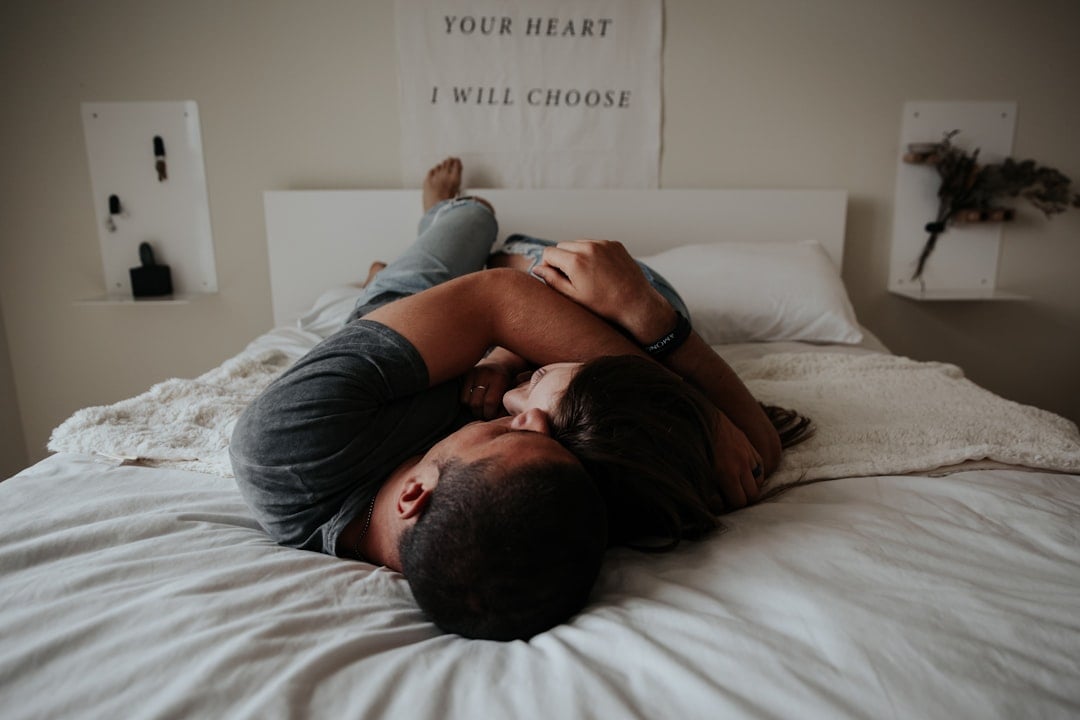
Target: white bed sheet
[{"x": 135, "y": 592}]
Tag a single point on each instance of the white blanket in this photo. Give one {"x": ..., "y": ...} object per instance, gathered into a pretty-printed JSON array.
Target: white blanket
[
  {"x": 184, "y": 424},
  {"x": 875, "y": 414},
  {"x": 884, "y": 415}
]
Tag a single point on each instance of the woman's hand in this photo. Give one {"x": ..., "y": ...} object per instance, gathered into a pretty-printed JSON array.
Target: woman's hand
[
  {"x": 483, "y": 387},
  {"x": 739, "y": 469}
]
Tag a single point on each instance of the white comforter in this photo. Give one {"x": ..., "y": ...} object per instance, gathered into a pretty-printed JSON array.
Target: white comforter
[
  {"x": 141, "y": 592},
  {"x": 136, "y": 593}
]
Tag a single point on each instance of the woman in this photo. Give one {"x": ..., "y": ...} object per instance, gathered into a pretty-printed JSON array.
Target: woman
[{"x": 669, "y": 453}]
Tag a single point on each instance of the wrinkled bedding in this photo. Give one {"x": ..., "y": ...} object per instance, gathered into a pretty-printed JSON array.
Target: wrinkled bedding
[
  {"x": 147, "y": 592},
  {"x": 136, "y": 592}
]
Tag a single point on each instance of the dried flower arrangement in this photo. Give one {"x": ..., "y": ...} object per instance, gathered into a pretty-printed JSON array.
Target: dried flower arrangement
[{"x": 970, "y": 192}]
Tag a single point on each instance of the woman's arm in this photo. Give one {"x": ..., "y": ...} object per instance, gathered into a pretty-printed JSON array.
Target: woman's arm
[{"x": 483, "y": 387}]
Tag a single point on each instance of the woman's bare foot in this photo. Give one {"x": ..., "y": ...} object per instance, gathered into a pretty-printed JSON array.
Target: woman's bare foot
[
  {"x": 373, "y": 271},
  {"x": 442, "y": 182}
]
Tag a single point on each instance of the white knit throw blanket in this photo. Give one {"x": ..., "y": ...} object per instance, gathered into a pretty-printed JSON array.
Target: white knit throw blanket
[
  {"x": 887, "y": 415},
  {"x": 874, "y": 415},
  {"x": 184, "y": 424}
]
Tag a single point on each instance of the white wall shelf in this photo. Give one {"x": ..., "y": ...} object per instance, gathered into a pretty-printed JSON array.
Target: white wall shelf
[
  {"x": 964, "y": 264},
  {"x": 185, "y": 299},
  {"x": 953, "y": 295},
  {"x": 162, "y": 198}
]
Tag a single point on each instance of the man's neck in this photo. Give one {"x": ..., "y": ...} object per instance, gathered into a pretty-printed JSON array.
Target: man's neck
[{"x": 377, "y": 544}]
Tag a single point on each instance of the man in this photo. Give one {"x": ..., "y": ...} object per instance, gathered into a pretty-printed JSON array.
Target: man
[{"x": 360, "y": 450}]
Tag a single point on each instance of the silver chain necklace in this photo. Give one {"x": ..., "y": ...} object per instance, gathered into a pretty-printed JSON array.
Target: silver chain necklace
[{"x": 367, "y": 525}]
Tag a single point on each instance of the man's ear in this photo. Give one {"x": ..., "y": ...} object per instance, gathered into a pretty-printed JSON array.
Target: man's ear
[{"x": 413, "y": 499}]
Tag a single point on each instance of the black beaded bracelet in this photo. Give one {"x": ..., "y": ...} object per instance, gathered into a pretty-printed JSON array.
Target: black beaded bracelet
[{"x": 673, "y": 340}]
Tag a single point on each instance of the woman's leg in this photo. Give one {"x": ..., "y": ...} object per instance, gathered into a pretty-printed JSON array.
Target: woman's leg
[
  {"x": 520, "y": 252},
  {"x": 524, "y": 252},
  {"x": 455, "y": 238}
]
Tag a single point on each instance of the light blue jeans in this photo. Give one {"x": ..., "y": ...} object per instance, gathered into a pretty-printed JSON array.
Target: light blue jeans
[
  {"x": 455, "y": 238},
  {"x": 533, "y": 248}
]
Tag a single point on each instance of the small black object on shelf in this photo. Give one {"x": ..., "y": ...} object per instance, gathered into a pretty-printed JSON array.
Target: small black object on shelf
[{"x": 150, "y": 279}]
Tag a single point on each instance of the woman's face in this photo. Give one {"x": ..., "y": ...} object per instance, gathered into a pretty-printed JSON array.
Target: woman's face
[{"x": 540, "y": 389}]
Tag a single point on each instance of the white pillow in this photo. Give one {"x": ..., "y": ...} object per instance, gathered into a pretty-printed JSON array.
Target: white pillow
[
  {"x": 757, "y": 292},
  {"x": 330, "y": 311}
]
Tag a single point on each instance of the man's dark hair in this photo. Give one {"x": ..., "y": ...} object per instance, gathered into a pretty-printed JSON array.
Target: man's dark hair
[{"x": 505, "y": 555}]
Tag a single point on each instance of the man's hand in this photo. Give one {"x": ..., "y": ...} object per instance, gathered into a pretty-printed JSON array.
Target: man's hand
[{"x": 602, "y": 276}]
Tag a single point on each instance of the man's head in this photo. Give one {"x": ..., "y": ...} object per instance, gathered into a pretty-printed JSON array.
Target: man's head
[{"x": 510, "y": 538}]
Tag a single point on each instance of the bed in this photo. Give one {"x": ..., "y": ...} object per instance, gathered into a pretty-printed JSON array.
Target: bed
[{"x": 921, "y": 557}]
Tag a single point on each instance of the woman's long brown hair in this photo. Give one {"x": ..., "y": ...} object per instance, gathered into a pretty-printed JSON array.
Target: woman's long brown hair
[{"x": 647, "y": 439}]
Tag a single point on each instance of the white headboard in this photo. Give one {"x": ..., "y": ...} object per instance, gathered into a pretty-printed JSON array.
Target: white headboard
[{"x": 319, "y": 239}]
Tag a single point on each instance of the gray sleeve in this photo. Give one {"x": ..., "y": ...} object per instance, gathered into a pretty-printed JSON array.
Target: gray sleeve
[{"x": 322, "y": 438}]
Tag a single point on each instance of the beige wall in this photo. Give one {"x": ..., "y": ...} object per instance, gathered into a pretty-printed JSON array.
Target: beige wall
[
  {"x": 758, "y": 93},
  {"x": 12, "y": 446}
]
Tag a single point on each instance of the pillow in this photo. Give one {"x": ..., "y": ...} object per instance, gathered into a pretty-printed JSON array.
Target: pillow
[
  {"x": 757, "y": 292},
  {"x": 330, "y": 311}
]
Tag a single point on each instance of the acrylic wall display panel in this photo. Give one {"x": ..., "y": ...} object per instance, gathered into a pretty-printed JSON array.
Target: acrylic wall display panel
[
  {"x": 149, "y": 185},
  {"x": 964, "y": 263}
]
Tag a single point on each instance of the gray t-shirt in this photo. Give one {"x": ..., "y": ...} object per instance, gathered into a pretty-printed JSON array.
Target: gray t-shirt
[{"x": 312, "y": 450}]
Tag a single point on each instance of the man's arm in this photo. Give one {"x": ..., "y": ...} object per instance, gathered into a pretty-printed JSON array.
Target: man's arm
[{"x": 453, "y": 324}]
